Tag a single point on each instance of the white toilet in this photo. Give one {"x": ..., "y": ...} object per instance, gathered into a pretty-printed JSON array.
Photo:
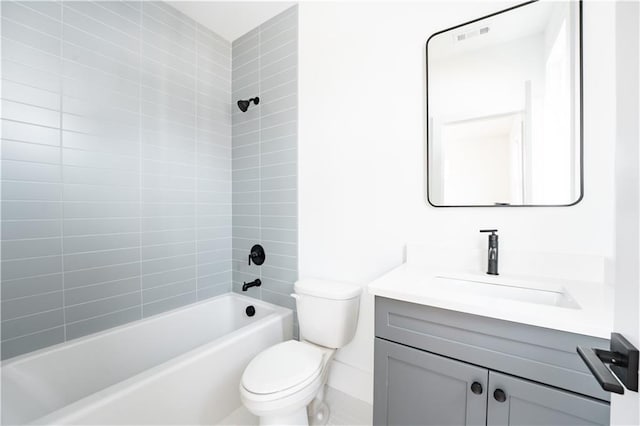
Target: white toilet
[{"x": 281, "y": 381}]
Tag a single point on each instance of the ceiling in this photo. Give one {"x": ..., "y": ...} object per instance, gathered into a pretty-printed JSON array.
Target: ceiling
[{"x": 231, "y": 19}]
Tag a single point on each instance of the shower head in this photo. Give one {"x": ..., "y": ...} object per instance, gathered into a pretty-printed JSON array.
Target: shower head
[{"x": 244, "y": 105}]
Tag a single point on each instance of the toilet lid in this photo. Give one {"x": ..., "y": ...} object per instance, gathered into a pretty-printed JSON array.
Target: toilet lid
[{"x": 281, "y": 367}]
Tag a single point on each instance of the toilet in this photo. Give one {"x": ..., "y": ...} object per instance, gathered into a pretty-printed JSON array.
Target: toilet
[{"x": 282, "y": 381}]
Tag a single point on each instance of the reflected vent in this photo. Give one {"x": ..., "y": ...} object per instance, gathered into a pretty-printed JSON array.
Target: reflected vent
[{"x": 471, "y": 34}]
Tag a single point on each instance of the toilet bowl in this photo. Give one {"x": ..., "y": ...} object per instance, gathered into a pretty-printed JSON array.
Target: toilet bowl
[{"x": 281, "y": 382}]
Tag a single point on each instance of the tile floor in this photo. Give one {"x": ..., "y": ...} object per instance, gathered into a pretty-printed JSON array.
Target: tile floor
[{"x": 345, "y": 411}]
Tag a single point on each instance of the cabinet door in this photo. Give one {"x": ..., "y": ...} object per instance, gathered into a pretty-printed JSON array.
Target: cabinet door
[
  {"x": 530, "y": 403},
  {"x": 413, "y": 387}
]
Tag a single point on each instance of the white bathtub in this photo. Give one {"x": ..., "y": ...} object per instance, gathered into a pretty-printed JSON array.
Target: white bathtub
[{"x": 180, "y": 367}]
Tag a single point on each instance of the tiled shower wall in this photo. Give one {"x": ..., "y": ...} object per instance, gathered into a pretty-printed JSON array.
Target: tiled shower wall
[
  {"x": 265, "y": 64},
  {"x": 116, "y": 167}
]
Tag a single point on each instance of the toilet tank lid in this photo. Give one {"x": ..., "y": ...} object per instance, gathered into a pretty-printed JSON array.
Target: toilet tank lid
[{"x": 334, "y": 290}]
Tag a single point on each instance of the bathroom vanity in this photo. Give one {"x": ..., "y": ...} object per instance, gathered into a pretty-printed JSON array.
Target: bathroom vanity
[
  {"x": 466, "y": 348},
  {"x": 438, "y": 367}
]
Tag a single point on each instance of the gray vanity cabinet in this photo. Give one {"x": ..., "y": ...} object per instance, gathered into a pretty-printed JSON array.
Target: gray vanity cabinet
[
  {"x": 529, "y": 403},
  {"x": 440, "y": 367},
  {"x": 426, "y": 389}
]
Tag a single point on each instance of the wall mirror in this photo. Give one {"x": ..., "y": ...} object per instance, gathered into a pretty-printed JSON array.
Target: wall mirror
[{"x": 504, "y": 109}]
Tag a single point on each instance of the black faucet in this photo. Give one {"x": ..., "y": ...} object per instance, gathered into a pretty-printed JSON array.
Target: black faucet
[
  {"x": 492, "y": 266},
  {"x": 254, "y": 283}
]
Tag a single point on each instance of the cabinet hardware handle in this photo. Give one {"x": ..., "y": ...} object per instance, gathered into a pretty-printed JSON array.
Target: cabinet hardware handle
[
  {"x": 476, "y": 388},
  {"x": 499, "y": 395}
]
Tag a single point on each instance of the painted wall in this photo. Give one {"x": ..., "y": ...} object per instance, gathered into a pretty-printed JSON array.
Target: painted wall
[
  {"x": 116, "y": 167},
  {"x": 362, "y": 149},
  {"x": 265, "y": 181},
  {"x": 625, "y": 409}
]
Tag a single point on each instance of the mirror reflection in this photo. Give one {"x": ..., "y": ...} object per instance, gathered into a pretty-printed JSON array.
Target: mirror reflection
[{"x": 504, "y": 103}]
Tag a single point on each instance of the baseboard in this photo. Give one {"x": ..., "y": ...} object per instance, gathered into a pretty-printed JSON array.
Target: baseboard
[{"x": 352, "y": 381}]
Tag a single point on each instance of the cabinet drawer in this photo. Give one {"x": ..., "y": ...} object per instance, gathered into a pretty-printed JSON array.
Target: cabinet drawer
[{"x": 539, "y": 354}]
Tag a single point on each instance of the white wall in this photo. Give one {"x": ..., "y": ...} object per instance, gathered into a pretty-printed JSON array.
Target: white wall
[
  {"x": 362, "y": 149},
  {"x": 625, "y": 409}
]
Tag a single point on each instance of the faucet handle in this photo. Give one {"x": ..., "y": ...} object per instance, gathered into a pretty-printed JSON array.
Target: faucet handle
[{"x": 493, "y": 231}]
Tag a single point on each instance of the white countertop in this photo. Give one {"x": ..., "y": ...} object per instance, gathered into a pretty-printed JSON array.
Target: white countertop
[{"x": 418, "y": 284}]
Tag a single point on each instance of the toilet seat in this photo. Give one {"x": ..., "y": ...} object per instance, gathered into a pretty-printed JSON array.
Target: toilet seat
[{"x": 282, "y": 370}]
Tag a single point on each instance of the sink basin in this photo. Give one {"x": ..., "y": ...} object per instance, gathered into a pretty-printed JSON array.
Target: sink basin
[{"x": 500, "y": 288}]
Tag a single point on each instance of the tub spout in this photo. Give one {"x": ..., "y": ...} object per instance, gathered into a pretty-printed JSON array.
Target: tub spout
[{"x": 255, "y": 283}]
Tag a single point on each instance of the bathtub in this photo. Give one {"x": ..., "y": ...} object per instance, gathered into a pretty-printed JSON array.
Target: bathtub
[{"x": 179, "y": 367}]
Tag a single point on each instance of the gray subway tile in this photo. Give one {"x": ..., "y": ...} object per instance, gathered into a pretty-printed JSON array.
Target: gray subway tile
[
  {"x": 16, "y": 229},
  {"x": 145, "y": 162},
  {"x": 168, "y": 291},
  {"x": 91, "y": 243},
  {"x": 74, "y": 262},
  {"x": 277, "y": 118},
  {"x": 282, "y": 248},
  {"x": 30, "y": 36},
  {"x": 214, "y": 290},
  {"x": 27, "y": 210},
  {"x": 286, "y": 129},
  {"x": 32, "y": 324},
  {"x": 32, "y": 342},
  {"x": 94, "y": 325},
  {"x": 84, "y": 227},
  {"x": 279, "y": 222},
  {"x": 160, "y": 306},
  {"x": 271, "y": 40},
  {"x": 15, "y": 308},
  {"x": 168, "y": 277},
  {"x": 276, "y": 286},
  {"x": 30, "y": 95},
  {"x": 23, "y": 268},
  {"x": 279, "y": 299},
  {"x": 35, "y": 191},
  {"x": 280, "y": 22},
  {"x": 276, "y": 67},
  {"x": 85, "y": 277},
  {"x": 17, "y": 249},
  {"x": 154, "y": 266},
  {"x": 20, "y": 151},
  {"x": 279, "y": 196},
  {"x": 79, "y": 210},
  {"x": 277, "y": 92},
  {"x": 30, "y": 58},
  {"x": 102, "y": 307},
  {"x": 278, "y": 105},
  {"x": 278, "y": 170},
  {"x": 27, "y": 171},
  {"x": 31, "y": 286},
  {"x": 78, "y": 295},
  {"x": 279, "y": 235}
]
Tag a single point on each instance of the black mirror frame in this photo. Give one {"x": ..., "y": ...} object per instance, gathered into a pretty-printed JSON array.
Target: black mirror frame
[{"x": 580, "y": 113}]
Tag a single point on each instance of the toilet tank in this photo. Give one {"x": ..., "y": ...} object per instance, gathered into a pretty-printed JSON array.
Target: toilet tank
[{"x": 327, "y": 311}]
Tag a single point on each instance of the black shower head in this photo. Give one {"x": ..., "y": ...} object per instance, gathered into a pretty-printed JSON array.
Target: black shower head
[{"x": 244, "y": 105}]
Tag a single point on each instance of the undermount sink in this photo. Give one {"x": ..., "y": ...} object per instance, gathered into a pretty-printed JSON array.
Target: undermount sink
[{"x": 509, "y": 289}]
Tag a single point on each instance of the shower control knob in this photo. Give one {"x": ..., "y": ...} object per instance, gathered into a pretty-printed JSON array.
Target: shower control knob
[
  {"x": 257, "y": 255},
  {"x": 476, "y": 388}
]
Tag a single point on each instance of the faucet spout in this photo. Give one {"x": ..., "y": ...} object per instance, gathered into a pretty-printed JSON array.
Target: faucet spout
[{"x": 255, "y": 283}]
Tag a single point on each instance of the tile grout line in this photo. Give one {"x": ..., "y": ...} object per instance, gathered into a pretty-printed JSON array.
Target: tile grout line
[
  {"x": 196, "y": 209},
  {"x": 259, "y": 151},
  {"x": 63, "y": 274},
  {"x": 140, "y": 154}
]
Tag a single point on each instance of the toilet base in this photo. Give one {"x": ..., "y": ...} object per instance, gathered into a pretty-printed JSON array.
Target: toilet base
[{"x": 295, "y": 418}]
